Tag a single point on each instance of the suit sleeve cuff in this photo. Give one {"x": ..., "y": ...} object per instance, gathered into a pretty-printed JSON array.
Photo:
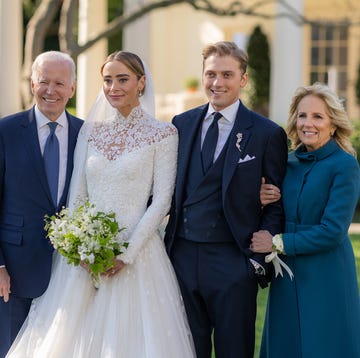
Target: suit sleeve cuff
[{"x": 259, "y": 269}]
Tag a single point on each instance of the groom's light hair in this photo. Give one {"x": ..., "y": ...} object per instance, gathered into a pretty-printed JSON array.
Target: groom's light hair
[{"x": 226, "y": 48}]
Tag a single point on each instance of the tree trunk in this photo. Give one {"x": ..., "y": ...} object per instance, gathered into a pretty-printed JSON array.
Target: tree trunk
[
  {"x": 48, "y": 9},
  {"x": 34, "y": 42}
]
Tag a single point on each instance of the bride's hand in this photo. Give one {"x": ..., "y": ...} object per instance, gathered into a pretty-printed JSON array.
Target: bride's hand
[
  {"x": 118, "y": 265},
  {"x": 84, "y": 266},
  {"x": 269, "y": 193}
]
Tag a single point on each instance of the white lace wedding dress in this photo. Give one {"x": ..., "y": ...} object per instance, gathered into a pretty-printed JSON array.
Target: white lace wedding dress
[{"x": 138, "y": 313}]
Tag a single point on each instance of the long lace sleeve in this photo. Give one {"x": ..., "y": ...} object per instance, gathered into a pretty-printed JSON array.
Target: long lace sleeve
[{"x": 165, "y": 161}]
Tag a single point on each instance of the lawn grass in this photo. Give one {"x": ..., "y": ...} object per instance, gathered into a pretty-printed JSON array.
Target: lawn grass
[
  {"x": 261, "y": 310},
  {"x": 262, "y": 296},
  {"x": 355, "y": 239}
]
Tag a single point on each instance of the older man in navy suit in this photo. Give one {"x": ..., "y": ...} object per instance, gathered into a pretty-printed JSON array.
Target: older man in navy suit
[
  {"x": 36, "y": 162},
  {"x": 224, "y": 151}
]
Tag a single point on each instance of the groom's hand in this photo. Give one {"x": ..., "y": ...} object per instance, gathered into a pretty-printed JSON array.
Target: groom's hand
[
  {"x": 261, "y": 242},
  {"x": 4, "y": 284}
]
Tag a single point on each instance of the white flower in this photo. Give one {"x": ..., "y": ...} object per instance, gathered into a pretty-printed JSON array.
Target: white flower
[
  {"x": 90, "y": 258},
  {"x": 278, "y": 244},
  {"x": 86, "y": 235}
]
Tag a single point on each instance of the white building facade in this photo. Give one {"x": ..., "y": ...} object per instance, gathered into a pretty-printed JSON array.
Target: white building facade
[{"x": 170, "y": 41}]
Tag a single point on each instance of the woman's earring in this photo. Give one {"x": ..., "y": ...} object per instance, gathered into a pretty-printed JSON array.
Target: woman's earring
[{"x": 140, "y": 93}]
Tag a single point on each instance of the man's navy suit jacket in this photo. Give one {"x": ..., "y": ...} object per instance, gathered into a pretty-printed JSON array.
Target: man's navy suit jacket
[
  {"x": 262, "y": 153},
  {"x": 25, "y": 199}
]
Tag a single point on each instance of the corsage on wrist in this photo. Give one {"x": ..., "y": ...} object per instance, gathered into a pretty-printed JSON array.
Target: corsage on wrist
[
  {"x": 278, "y": 244},
  {"x": 278, "y": 248}
]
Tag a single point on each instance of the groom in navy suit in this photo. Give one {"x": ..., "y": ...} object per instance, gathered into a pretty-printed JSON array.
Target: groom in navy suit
[
  {"x": 216, "y": 207},
  {"x": 27, "y": 192}
]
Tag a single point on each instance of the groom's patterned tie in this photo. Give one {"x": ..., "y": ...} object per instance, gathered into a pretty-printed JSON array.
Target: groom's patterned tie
[
  {"x": 209, "y": 144},
  {"x": 51, "y": 161}
]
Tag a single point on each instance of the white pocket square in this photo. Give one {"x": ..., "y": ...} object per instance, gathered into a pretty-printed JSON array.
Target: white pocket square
[{"x": 246, "y": 159}]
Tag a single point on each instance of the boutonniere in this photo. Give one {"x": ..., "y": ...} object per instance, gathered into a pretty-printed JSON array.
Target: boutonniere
[{"x": 239, "y": 137}]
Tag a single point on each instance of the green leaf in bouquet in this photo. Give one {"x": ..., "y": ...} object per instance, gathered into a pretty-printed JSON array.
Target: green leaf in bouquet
[{"x": 87, "y": 235}]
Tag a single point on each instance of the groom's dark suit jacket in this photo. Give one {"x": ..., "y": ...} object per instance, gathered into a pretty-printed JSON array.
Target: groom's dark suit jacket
[
  {"x": 263, "y": 153},
  {"x": 24, "y": 201}
]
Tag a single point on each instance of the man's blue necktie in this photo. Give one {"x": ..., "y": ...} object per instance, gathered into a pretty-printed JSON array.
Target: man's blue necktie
[
  {"x": 209, "y": 144},
  {"x": 51, "y": 161}
]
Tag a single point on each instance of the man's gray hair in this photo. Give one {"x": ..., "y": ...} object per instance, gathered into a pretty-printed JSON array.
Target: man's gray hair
[{"x": 53, "y": 56}]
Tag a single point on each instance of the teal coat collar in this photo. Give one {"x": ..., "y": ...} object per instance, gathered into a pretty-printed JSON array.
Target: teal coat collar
[{"x": 318, "y": 154}]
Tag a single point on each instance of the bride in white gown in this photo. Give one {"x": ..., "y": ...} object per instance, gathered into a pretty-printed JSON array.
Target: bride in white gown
[{"x": 123, "y": 156}]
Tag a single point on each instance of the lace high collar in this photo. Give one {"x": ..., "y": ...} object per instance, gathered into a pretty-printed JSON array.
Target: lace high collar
[
  {"x": 135, "y": 115},
  {"x": 119, "y": 135}
]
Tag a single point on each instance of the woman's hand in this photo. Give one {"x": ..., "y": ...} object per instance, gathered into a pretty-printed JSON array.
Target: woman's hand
[
  {"x": 269, "y": 193},
  {"x": 85, "y": 266},
  {"x": 261, "y": 242},
  {"x": 118, "y": 265}
]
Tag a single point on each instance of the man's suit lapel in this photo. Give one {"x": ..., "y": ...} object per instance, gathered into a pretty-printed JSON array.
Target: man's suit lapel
[
  {"x": 187, "y": 139},
  {"x": 32, "y": 146},
  {"x": 239, "y": 136},
  {"x": 72, "y": 138}
]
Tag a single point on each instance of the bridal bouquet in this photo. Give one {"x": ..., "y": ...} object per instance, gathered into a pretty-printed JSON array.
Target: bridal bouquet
[{"x": 88, "y": 236}]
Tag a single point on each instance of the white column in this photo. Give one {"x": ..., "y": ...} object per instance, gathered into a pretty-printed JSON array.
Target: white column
[
  {"x": 92, "y": 17},
  {"x": 286, "y": 62},
  {"x": 11, "y": 55},
  {"x": 137, "y": 35}
]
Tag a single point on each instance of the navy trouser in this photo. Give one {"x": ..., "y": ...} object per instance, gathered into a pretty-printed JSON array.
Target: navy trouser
[
  {"x": 12, "y": 316},
  {"x": 219, "y": 290}
]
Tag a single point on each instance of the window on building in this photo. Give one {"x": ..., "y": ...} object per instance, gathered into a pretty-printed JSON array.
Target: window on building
[{"x": 329, "y": 50}]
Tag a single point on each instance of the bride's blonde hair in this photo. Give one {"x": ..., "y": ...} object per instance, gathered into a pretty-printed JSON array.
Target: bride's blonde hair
[{"x": 132, "y": 61}]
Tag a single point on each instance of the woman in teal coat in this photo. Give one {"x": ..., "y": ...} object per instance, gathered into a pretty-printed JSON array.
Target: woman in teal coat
[{"x": 317, "y": 312}]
